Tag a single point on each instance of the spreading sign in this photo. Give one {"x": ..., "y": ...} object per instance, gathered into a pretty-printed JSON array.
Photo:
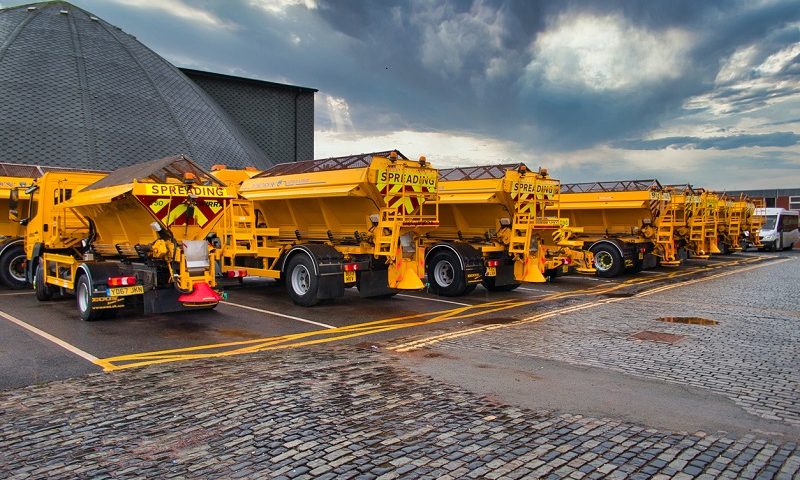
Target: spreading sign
[
  {"x": 406, "y": 190},
  {"x": 170, "y": 203}
]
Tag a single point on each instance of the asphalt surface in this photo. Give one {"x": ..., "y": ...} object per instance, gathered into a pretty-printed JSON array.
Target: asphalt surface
[
  {"x": 259, "y": 315},
  {"x": 580, "y": 378}
]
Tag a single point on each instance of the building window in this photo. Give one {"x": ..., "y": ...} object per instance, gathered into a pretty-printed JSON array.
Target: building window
[
  {"x": 794, "y": 203},
  {"x": 769, "y": 202}
]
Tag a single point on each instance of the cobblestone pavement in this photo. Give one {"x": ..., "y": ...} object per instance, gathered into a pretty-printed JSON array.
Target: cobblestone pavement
[
  {"x": 340, "y": 412},
  {"x": 751, "y": 356}
]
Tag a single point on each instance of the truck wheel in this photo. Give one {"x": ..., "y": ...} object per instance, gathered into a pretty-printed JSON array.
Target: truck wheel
[
  {"x": 12, "y": 267},
  {"x": 607, "y": 261},
  {"x": 301, "y": 282},
  {"x": 83, "y": 295},
  {"x": 42, "y": 290},
  {"x": 724, "y": 248},
  {"x": 446, "y": 276},
  {"x": 489, "y": 284}
]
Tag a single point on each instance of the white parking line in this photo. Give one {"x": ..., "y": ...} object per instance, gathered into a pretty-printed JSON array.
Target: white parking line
[
  {"x": 528, "y": 289},
  {"x": 61, "y": 343},
  {"x": 283, "y": 315},
  {"x": 15, "y": 293},
  {"x": 435, "y": 300},
  {"x": 649, "y": 272}
]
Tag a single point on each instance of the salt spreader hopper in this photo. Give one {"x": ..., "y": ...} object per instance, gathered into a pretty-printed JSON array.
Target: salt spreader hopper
[
  {"x": 320, "y": 226},
  {"x": 494, "y": 229},
  {"x": 622, "y": 222},
  {"x": 133, "y": 238}
]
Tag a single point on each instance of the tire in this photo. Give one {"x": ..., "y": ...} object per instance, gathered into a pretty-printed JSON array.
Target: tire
[
  {"x": 445, "y": 276},
  {"x": 489, "y": 284},
  {"x": 607, "y": 261},
  {"x": 83, "y": 298},
  {"x": 43, "y": 291},
  {"x": 12, "y": 267},
  {"x": 302, "y": 283},
  {"x": 724, "y": 249}
]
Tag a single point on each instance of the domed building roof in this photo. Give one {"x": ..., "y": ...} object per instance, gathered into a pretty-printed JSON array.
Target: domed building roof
[{"x": 76, "y": 91}]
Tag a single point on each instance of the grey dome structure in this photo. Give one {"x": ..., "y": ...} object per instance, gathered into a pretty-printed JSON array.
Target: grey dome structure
[{"x": 76, "y": 91}]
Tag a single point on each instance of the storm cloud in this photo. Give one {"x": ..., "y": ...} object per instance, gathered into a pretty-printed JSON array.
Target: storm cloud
[
  {"x": 573, "y": 83},
  {"x": 777, "y": 139}
]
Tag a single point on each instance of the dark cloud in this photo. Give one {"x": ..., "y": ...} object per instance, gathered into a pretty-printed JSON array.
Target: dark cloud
[
  {"x": 466, "y": 65},
  {"x": 777, "y": 139}
]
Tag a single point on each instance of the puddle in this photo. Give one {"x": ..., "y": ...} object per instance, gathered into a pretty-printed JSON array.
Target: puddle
[
  {"x": 494, "y": 320},
  {"x": 619, "y": 295},
  {"x": 688, "y": 320},
  {"x": 660, "y": 337}
]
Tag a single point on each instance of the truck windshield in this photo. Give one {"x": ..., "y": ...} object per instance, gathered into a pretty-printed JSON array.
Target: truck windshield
[{"x": 769, "y": 222}]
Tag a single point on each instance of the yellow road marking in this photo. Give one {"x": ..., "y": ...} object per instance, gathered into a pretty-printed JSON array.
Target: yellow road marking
[
  {"x": 378, "y": 326},
  {"x": 428, "y": 341}
]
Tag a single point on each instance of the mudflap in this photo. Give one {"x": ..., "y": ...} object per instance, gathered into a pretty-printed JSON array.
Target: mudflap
[
  {"x": 374, "y": 283},
  {"x": 505, "y": 275},
  {"x": 331, "y": 285},
  {"x": 650, "y": 261}
]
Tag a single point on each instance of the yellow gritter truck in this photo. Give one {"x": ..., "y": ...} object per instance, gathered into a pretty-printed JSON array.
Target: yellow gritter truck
[
  {"x": 133, "y": 238},
  {"x": 622, "y": 222},
  {"x": 321, "y": 226},
  {"x": 12, "y": 252},
  {"x": 737, "y": 223},
  {"x": 17, "y": 178},
  {"x": 494, "y": 229}
]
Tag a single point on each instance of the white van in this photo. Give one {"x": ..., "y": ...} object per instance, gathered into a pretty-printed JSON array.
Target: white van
[{"x": 780, "y": 230}]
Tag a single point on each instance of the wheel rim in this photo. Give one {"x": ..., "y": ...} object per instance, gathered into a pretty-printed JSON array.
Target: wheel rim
[
  {"x": 603, "y": 261},
  {"x": 83, "y": 297},
  {"x": 301, "y": 280},
  {"x": 17, "y": 268},
  {"x": 444, "y": 273}
]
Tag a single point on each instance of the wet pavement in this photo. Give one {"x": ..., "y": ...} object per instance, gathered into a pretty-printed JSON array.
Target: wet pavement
[{"x": 679, "y": 373}]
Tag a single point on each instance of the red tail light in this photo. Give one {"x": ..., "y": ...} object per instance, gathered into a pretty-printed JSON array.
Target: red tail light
[
  {"x": 121, "y": 281},
  {"x": 493, "y": 263},
  {"x": 642, "y": 250},
  {"x": 350, "y": 267},
  {"x": 236, "y": 273},
  {"x": 567, "y": 261}
]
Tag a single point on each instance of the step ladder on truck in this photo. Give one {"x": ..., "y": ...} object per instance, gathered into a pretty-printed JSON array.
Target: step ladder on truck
[
  {"x": 752, "y": 221},
  {"x": 499, "y": 226},
  {"x": 134, "y": 238},
  {"x": 703, "y": 224},
  {"x": 624, "y": 223},
  {"x": 321, "y": 226},
  {"x": 730, "y": 213}
]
